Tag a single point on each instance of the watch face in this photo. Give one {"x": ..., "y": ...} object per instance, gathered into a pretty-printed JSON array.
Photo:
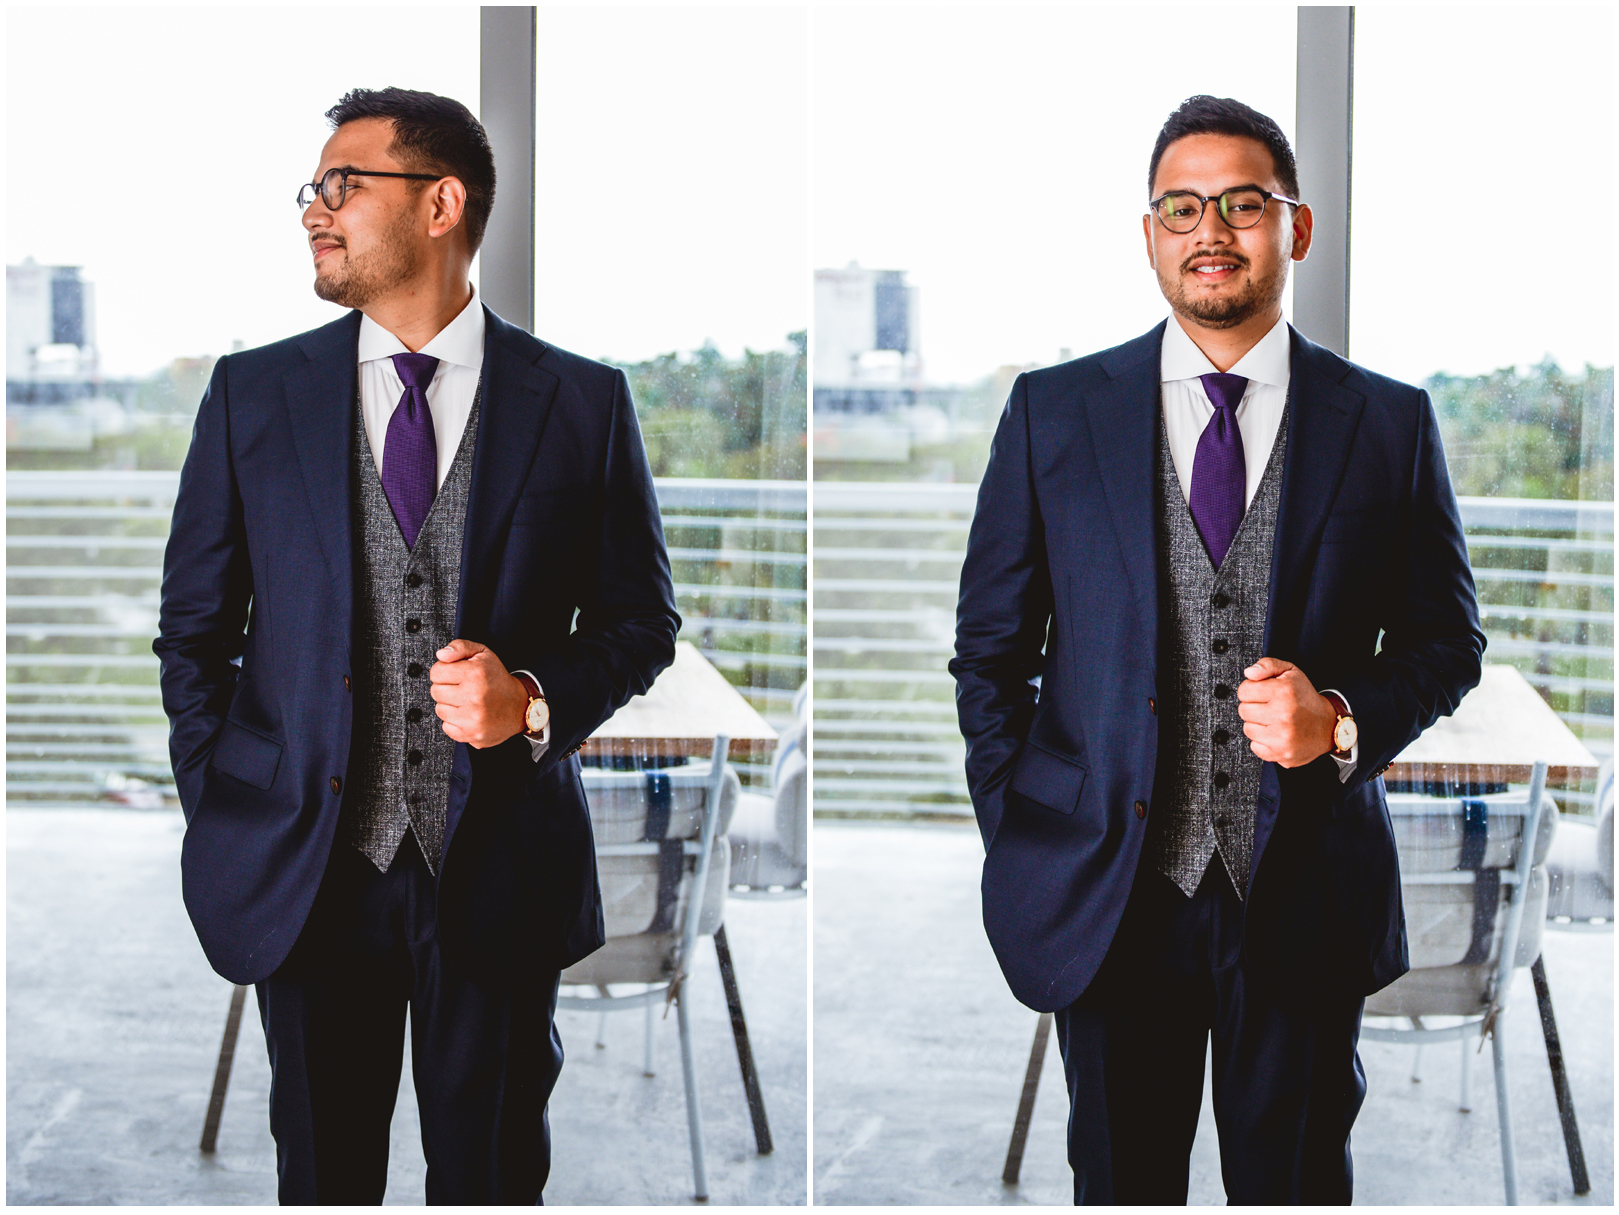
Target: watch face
[
  {"x": 1345, "y": 735},
  {"x": 539, "y": 714}
]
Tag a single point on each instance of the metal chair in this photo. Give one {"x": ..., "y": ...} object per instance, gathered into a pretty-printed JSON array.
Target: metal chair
[
  {"x": 663, "y": 857},
  {"x": 1473, "y": 881}
]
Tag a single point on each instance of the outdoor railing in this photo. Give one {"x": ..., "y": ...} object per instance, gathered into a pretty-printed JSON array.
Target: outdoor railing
[
  {"x": 887, "y": 568},
  {"x": 85, "y": 723}
]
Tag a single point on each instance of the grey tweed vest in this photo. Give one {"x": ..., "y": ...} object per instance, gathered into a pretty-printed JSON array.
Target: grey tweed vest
[
  {"x": 1212, "y": 628},
  {"x": 404, "y": 611}
]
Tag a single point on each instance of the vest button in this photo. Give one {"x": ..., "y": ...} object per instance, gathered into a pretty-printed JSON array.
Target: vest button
[
  {"x": 337, "y": 785},
  {"x": 414, "y": 669},
  {"x": 1223, "y": 821},
  {"x": 1221, "y": 780},
  {"x": 1141, "y": 809},
  {"x": 413, "y": 625},
  {"x": 1152, "y": 706},
  {"x": 1222, "y": 736},
  {"x": 1221, "y": 645},
  {"x": 1221, "y": 691},
  {"x": 413, "y": 714},
  {"x": 414, "y": 757},
  {"x": 413, "y": 579},
  {"x": 1220, "y": 599}
]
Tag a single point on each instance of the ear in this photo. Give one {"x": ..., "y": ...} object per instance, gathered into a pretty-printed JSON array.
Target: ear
[
  {"x": 1303, "y": 230},
  {"x": 1146, "y": 232},
  {"x": 448, "y": 203}
]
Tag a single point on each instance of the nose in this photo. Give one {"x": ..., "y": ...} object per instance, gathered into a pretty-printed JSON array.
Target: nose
[{"x": 1211, "y": 228}]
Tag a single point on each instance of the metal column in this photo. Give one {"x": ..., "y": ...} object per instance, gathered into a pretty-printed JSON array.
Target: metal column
[
  {"x": 506, "y": 105},
  {"x": 1325, "y": 117}
]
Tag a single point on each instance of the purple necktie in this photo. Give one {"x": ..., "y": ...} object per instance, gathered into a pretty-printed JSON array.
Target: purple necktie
[
  {"x": 1219, "y": 470},
  {"x": 410, "y": 452}
]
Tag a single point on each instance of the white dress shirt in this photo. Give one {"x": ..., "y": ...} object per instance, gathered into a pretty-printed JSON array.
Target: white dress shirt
[
  {"x": 458, "y": 347},
  {"x": 1268, "y": 368}
]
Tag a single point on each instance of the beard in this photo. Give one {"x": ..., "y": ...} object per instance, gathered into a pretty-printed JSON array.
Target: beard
[
  {"x": 361, "y": 278},
  {"x": 1259, "y": 296}
]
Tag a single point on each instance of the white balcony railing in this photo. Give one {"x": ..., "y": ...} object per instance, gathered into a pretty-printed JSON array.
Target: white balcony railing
[
  {"x": 887, "y": 567},
  {"x": 84, "y": 557}
]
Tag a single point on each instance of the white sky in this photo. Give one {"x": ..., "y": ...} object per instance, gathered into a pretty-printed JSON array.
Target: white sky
[
  {"x": 1000, "y": 157},
  {"x": 672, "y": 193}
]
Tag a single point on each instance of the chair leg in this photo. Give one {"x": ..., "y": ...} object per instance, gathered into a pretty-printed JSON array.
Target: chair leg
[
  {"x": 1467, "y": 1076},
  {"x": 694, "y": 1113},
  {"x": 1503, "y": 1109},
  {"x": 744, "y": 1050},
  {"x": 1565, "y": 1099},
  {"x": 601, "y": 1018},
  {"x": 646, "y": 1066},
  {"x": 1025, "y": 1105},
  {"x": 227, "y": 1053}
]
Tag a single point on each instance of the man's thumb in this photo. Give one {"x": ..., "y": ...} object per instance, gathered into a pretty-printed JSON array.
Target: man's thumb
[
  {"x": 460, "y": 648},
  {"x": 1268, "y": 668}
]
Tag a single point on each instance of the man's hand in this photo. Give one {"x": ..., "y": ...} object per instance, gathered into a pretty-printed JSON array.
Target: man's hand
[
  {"x": 478, "y": 701},
  {"x": 1287, "y": 721}
]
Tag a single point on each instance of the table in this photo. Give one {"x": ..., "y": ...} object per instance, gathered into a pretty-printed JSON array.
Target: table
[
  {"x": 681, "y": 713},
  {"x": 1498, "y": 731}
]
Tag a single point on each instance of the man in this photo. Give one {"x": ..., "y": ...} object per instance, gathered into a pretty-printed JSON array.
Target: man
[
  {"x": 1215, "y": 583},
  {"x": 375, "y": 681}
]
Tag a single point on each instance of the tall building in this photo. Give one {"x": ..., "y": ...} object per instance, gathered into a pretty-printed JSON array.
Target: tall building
[
  {"x": 50, "y": 335},
  {"x": 867, "y": 353}
]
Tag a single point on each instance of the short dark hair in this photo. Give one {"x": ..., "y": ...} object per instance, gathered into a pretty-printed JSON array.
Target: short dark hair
[
  {"x": 1205, "y": 115},
  {"x": 432, "y": 134}
]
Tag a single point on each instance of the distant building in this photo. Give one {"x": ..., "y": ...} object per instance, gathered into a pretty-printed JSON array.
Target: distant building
[
  {"x": 868, "y": 357},
  {"x": 50, "y": 335}
]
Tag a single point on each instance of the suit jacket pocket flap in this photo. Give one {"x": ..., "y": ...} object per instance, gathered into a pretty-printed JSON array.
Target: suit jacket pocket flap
[
  {"x": 1052, "y": 780},
  {"x": 247, "y": 755}
]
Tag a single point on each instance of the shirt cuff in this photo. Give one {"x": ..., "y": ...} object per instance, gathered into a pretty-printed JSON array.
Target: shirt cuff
[
  {"x": 539, "y": 746},
  {"x": 1345, "y": 766}
]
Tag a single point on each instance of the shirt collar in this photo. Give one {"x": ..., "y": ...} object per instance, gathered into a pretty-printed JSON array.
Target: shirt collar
[
  {"x": 1269, "y": 360},
  {"x": 460, "y": 342}
]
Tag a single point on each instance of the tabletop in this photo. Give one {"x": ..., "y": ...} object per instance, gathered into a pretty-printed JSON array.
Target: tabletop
[
  {"x": 688, "y": 704},
  {"x": 1498, "y": 731}
]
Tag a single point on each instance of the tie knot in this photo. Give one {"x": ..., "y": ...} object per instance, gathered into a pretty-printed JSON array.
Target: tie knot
[
  {"x": 1225, "y": 390},
  {"x": 416, "y": 370}
]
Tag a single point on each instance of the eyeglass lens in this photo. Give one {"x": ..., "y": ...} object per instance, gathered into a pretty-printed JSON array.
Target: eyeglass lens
[
  {"x": 1239, "y": 208},
  {"x": 332, "y": 189}
]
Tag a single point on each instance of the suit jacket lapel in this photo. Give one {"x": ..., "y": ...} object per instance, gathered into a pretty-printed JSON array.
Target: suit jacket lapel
[
  {"x": 517, "y": 397},
  {"x": 1123, "y": 418},
  {"x": 320, "y": 406},
  {"x": 1323, "y": 415}
]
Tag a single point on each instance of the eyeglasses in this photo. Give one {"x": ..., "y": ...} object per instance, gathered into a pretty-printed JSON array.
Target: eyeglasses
[
  {"x": 1241, "y": 207},
  {"x": 333, "y": 186}
]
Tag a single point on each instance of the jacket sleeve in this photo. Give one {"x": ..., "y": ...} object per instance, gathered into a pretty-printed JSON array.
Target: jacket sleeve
[
  {"x": 624, "y": 634},
  {"x": 207, "y": 584},
  {"x": 1002, "y": 615},
  {"x": 1432, "y": 647}
]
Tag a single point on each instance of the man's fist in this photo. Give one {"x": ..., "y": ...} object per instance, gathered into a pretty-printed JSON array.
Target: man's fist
[
  {"x": 1286, "y": 720},
  {"x": 479, "y": 702}
]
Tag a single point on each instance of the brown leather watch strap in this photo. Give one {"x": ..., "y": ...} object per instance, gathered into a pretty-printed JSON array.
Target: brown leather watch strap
[{"x": 529, "y": 686}]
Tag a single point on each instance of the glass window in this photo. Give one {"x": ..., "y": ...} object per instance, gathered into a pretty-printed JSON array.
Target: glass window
[{"x": 1475, "y": 274}]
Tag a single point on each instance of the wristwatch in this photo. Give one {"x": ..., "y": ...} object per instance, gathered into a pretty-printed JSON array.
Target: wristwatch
[
  {"x": 1344, "y": 732},
  {"x": 538, "y": 714}
]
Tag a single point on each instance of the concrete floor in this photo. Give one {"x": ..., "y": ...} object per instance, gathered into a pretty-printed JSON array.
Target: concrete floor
[
  {"x": 920, "y": 1052},
  {"x": 114, "y": 1019}
]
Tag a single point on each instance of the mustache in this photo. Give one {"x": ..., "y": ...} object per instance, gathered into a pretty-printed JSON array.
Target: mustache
[{"x": 1239, "y": 259}]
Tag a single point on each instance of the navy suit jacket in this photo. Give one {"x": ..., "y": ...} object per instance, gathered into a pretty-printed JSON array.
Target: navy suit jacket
[
  {"x": 1061, "y": 582},
  {"x": 260, "y": 568}
]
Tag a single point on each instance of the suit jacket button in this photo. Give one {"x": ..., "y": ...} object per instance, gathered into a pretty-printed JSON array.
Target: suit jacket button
[
  {"x": 1141, "y": 809},
  {"x": 337, "y": 785},
  {"x": 1152, "y": 706},
  {"x": 347, "y": 686}
]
